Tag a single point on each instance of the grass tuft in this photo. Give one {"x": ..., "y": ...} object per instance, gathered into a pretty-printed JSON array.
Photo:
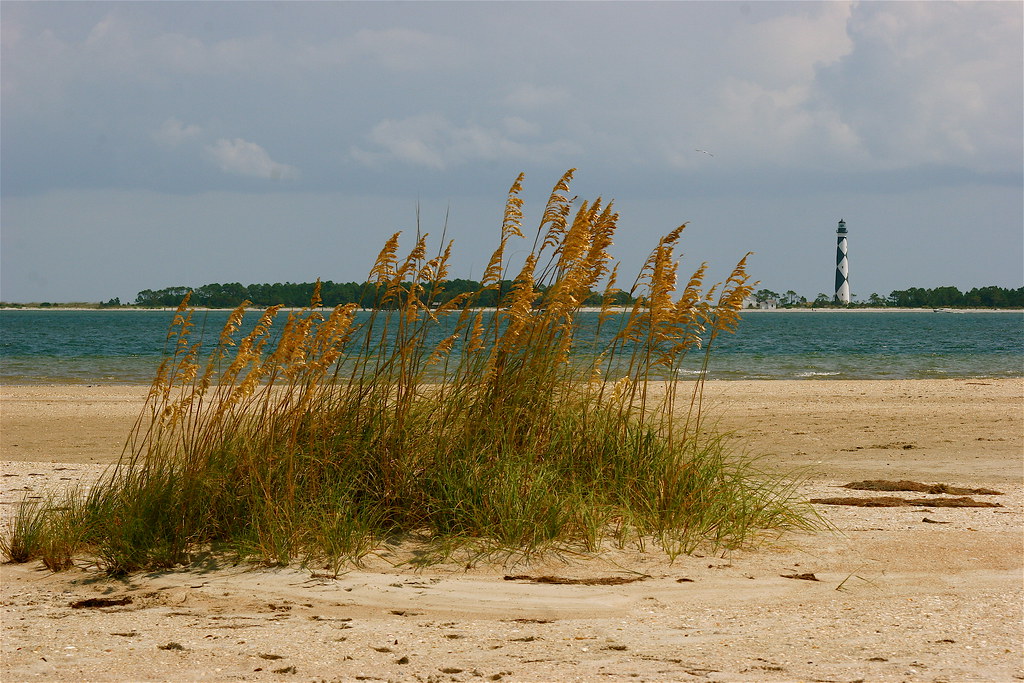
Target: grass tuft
[
  {"x": 25, "y": 541},
  {"x": 322, "y": 436}
]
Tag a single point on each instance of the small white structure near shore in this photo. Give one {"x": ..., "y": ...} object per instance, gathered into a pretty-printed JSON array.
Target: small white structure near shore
[{"x": 766, "y": 305}]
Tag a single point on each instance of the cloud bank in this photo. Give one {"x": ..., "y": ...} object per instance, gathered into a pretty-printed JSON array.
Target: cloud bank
[{"x": 904, "y": 118}]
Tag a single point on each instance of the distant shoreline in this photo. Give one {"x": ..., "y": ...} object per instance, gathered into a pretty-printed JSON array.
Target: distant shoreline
[
  {"x": 585, "y": 309},
  {"x": 882, "y": 310}
]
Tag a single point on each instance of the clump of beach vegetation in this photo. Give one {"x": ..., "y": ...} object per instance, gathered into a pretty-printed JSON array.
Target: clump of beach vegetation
[{"x": 323, "y": 436}]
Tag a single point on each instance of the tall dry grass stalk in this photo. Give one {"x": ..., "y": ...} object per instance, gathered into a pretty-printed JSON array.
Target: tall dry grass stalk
[{"x": 323, "y": 435}]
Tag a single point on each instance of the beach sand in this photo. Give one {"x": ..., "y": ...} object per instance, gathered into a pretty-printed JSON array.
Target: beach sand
[{"x": 902, "y": 594}]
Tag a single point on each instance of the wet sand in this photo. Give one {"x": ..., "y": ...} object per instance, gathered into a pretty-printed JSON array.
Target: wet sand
[{"x": 896, "y": 597}]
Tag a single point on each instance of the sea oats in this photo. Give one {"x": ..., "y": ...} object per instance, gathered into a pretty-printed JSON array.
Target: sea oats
[
  {"x": 556, "y": 212},
  {"x": 512, "y": 222},
  {"x": 384, "y": 268},
  {"x": 510, "y": 428}
]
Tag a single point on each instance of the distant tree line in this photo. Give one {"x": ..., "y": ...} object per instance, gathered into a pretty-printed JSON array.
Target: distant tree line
[
  {"x": 951, "y": 297},
  {"x": 365, "y": 295},
  {"x": 292, "y": 294},
  {"x": 915, "y": 297}
]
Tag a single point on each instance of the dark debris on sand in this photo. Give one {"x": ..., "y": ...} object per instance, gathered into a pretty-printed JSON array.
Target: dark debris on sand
[
  {"x": 892, "y": 502},
  {"x": 904, "y": 485},
  {"x": 561, "y": 580}
]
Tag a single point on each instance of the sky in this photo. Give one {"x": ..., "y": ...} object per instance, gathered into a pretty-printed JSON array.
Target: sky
[{"x": 145, "y": 145}]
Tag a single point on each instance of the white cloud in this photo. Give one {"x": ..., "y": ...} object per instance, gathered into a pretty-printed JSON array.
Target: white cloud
[
  {"x": 417, "y": 140},
  {"x": 403, "y": 49},
  {"x": 395, "y": 49},
  {"x": 518, "y": 126},
  {"x": 530, "y": 96},
  {"x": 933, "y": 83},
  {"x": 247, "y": 158},
  {"x": 173, "y": 132},
  {"x": 785, "y": 50},
  {"x": 757, "y": 126},
  {"x": 109, "y": 30},
  {"x": 761, "y": 111},
  {"x": 864, "y": 87},
  {"x": 121, "y": 46},
  {"x": 869, "y": 86},
  {"x": 180, "y": 54},
  {"x": 431, "y": 140},
  {"x": 36, "y": 70}
]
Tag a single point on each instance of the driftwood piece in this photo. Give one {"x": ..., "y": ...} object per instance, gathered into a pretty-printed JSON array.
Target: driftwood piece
[
  {"x": 561, "y": 580},
  {"x": 101, "y": 602},
  {"x": 904, "y": 485},
  {"x": 893, "y": 502}
]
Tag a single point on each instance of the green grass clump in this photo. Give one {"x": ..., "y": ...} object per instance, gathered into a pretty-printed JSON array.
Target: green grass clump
[{"x": 320, "y": 439}]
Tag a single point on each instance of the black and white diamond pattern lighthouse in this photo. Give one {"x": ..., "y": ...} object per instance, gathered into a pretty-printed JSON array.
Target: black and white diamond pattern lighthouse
[{"x": 842, "y": 266}]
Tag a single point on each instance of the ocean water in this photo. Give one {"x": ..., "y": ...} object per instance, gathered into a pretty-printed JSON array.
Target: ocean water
[{"x": 125, "y": 346}]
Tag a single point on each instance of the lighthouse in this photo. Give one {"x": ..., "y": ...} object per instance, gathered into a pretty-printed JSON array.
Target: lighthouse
[{"x": 842, "y": 266}]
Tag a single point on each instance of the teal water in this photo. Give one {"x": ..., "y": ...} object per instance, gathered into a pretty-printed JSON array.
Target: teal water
[{"x": 125, "y": 347}]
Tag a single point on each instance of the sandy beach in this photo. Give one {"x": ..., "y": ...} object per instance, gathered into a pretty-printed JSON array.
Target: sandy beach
[{"x": 916, "y": 593}]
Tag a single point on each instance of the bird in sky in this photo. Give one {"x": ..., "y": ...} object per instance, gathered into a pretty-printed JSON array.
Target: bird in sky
[{"x": 704, "y": 151}]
